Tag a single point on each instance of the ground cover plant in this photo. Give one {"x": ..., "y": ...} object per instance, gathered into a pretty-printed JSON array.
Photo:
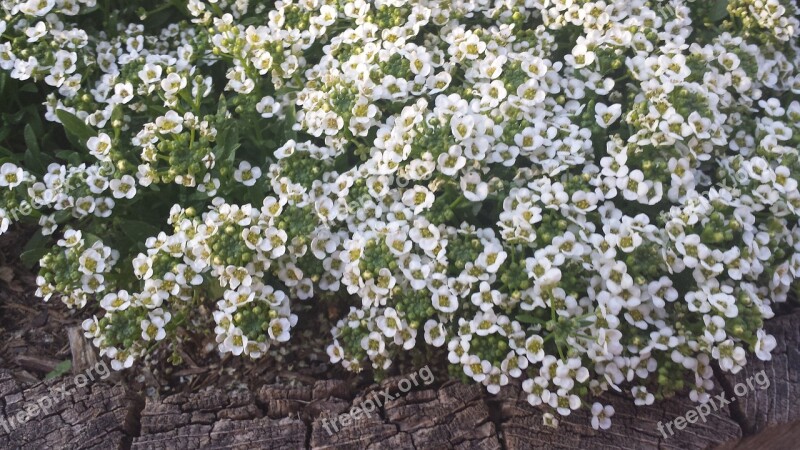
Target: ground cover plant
[{"x": 585, "y": 195}]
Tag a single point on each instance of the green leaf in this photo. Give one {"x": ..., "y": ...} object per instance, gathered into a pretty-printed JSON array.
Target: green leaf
[
  {"x": 222, "y": 106},
  {"x": 33, "y": 154},
  {"x": 29, "y": 87},
  {"x": 117, "y": 113},
  {"x": 34, "y": 249},
  {"x": 15, "y": 117},
  {"x": 137, "y": 231},
  {"x": 30, "y": 139},
  {"x": 89, "y": 239},
  {"x": 69, "y": 156},
  {"x": 291, "y": 118},
  {"x": 75, "y": 127},
  {"x": 527, "y": 318},
  {"x": 227, "y": 143},
  {"x": 6, "y": 153},
  {"x": 719, "y": 10},
  {"x": 62, "y": 368}
]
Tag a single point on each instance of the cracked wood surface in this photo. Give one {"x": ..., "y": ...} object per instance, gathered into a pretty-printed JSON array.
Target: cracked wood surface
[{"x": 453, "y": 415}]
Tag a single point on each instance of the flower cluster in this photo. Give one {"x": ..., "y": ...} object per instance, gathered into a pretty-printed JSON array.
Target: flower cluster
[{"x": 583, "y": 195}]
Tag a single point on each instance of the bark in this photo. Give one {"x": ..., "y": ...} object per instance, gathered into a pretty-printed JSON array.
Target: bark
[
  {"x": 453, "y": 415},
  {"x": 65, "y": 414}
]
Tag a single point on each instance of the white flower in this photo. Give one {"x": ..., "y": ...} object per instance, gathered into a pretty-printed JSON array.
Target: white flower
[
  {"x": 153, "y": 328},
  {"x": 373, "y": 343},
  {"x": 564, "y": 402},
  {"x": 335, "y": 352},
  {"x": 247, "y": 174},
  {"x": 123, "y": 93},
  {"x": 534, "y": 349},
  {"x": 549, "y": 420},
  {"x": 121, "y": 359},
  {"x": 150, "y": 73},
  {"x": 419, "y": 198},
  {"x": 124, "y": 187},
  {"x": 473, "y": 188},
  {"x": 4, "y": 221},
  {"x": 116, "y": 301},
  {"x": 35, "y": 32},
  {"x": 641, "y": 397},
  {"x": 279, "y": 329},
  {"x": 173, "y": 83},
  {"x": 764, "y": 345},
  {"x": 476, "y": 368},
  {"x": 435, "y": 333},
  {"x": 451, "y": 162},
  {"x": 389, "y": 323},
  {"x": 99, "y": 146},
  {"x": 171, "y": 122},
  {"x": 444, "y": 301},
  {"x": 601, "y": 416},
  {"x": 268, "y": 107},
  {"x": 11, "y": 176},
  {"x": 606, "y": 115},
  {"x": 235, "y": 342},
  {"x": 71, "y": 238}
]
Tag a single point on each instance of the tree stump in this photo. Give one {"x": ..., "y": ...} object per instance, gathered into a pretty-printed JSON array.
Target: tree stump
[{"x": 452, "y": 415}]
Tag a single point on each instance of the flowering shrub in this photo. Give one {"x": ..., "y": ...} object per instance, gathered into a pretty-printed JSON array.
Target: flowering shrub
[{"x": 586, "y": 195}]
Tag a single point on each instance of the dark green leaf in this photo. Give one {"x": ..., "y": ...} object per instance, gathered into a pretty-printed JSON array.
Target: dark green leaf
[
  {"x": 227, "y": 143},
  {"x": 137, "y": 231},
  {"x": 222, "y": 106},
  {"x": 30, "y": 140},
  {"x": 527, "y": 318},
  {"x": 29, "y": 87},
  {"x": 291, "y": 118},
  {"x": 89, "y": 239},
  {"x": 69, "y": 156},
  {"x": 719, "y": 10},
  {"x": 14, "y": 118},
  {"x": 34, "y": 249},
  {"x": 75, "y": 126},
  {"x": 4, "y": 132}
]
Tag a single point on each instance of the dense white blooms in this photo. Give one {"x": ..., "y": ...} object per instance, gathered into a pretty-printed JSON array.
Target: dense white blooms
[{"x": 586, "y": 195}]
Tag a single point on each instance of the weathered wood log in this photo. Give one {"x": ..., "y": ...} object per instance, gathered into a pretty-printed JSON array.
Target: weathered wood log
[
  {"x": 780, "y": 402},
  {"x": 65, "y": 415},
  {"x": 84, "y": 356},
  {"x": 317, "y": 415}
]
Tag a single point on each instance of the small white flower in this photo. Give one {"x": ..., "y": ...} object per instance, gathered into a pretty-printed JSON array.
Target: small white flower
[
  {"x": 11, "y": 176},
  {"x": 549, "y": 420},
  {"x": 99, "y": 146},
  {"x": 247, "y": 174},
  {"x": 601, "y": 416},
  {"x": 606, "y": 115},
  {"x": 268, "y": 107},
  {"x": 124, "y": 187},
  {"x": 765, "y": 343},
  {"x": 171, "y": 122},
  {"x": 116, "y": 301},
  {"x": 279, "y": 329},
  {"x": 235, "y": 342},
  {"x": 435, "y": 333}
]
